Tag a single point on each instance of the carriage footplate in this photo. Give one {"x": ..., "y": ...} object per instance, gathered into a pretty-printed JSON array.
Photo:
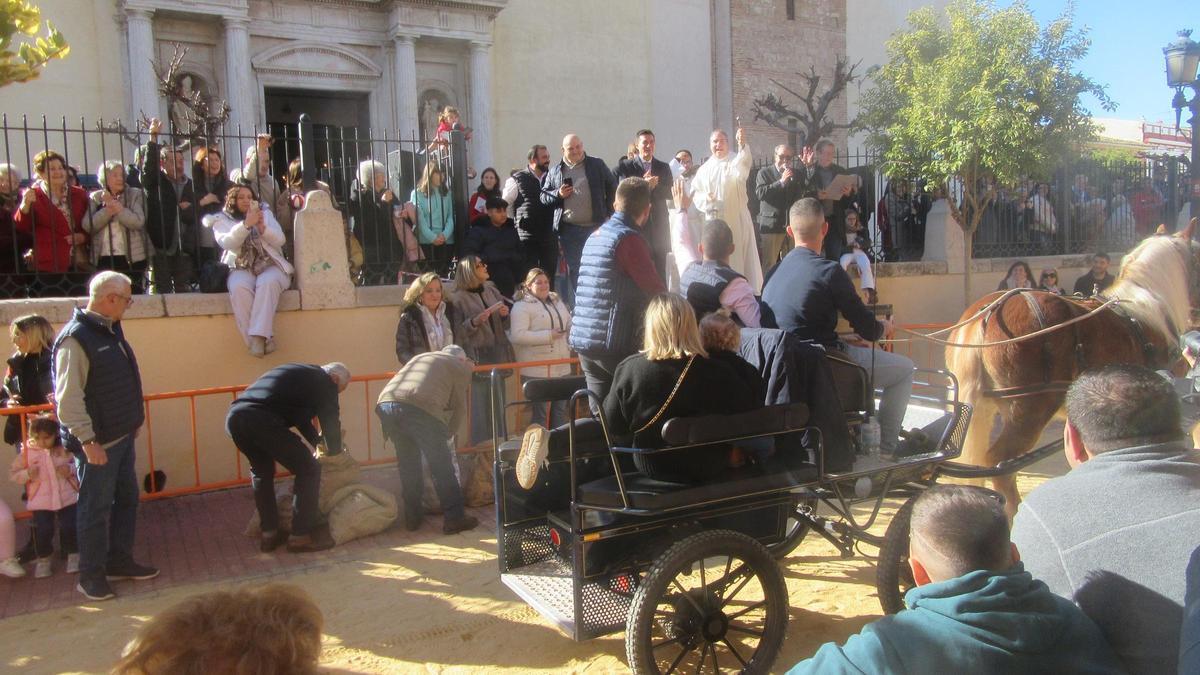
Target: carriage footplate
[{"x": 549, "y": 587}]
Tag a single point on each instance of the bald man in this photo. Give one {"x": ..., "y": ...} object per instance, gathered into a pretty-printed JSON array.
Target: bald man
[{"x": 581, "y": 190}]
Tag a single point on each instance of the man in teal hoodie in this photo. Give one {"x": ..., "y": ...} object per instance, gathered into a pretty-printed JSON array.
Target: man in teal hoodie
[{"x": 975, "y": 609}]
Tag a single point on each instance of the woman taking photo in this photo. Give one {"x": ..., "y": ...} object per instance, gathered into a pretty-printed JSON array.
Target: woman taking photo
[
  {"x": 118, "y": 225},
  {"x": 427, "y": 322},
  {"x": 673, "y": 377},
  {"x": 258, "y": 272},
  {"x": 483, "y": 334},
  {"x": 435, "y": 217},
  {"x": 489, "y": 186},
  {"x": 538, "y": 329},
  {"x": 53, "y": 212}
]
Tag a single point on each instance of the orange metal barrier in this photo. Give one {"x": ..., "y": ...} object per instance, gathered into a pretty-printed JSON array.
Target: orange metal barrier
[{"x": 198, "y": 484}]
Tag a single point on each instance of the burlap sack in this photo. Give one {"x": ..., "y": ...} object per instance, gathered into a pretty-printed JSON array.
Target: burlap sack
[
  {"x": 337, "y": 471},
  {"x": 361, "y": 510},
  {"x": 473, "y": 468}
]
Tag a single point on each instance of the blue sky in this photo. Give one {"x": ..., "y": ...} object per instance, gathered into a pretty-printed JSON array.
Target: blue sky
[{"x": 1126, "y": 53}]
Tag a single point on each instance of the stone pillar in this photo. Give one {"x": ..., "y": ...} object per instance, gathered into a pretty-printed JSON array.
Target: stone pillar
[
  {"x": 406, "y": 85},
  {"x": 322, "y": 267},
  {"x": 238, "y": 91},
  {"x": 143, "y": 84},
  {"x": 481, "y": 105}
]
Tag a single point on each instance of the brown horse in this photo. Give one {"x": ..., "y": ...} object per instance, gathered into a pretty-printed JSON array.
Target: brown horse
[{"x": 1025, "y": 382}]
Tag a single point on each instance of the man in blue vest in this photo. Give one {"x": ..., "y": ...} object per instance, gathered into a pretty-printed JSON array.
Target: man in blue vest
[
  {"x": 617, "y": 278},
  {"x": 712, "y": 284},
  {"x": 100, "y": 409}
]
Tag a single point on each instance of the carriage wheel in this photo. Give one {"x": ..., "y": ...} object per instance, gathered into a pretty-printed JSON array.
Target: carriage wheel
[
  {"x": 893, "y": 576},
  {"x": 714, "y": 601},
  {"x": 795, "y": 529}
]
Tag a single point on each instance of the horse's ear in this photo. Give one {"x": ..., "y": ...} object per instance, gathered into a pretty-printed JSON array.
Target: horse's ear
[
  {"x": 1186, "y": 233},
  {"x": 1162, "y": 229}
]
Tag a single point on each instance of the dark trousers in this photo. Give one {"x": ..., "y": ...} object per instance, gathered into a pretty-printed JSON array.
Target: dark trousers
[
  {"x": 172, "y": 273},
  {"x": 107, "y": 510},
  {"x": 573, "y": 238},
  {"x": 43, "y": 531},
  {"x": 136, "y": 271},
  {"x": 264, "y": 438},
  {"x": 542, "y": 252},
  {"x": 598, "y": 373},
  {"x": 414, "y": 433}
]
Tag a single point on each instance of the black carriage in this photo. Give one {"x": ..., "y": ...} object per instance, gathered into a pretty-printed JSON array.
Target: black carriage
[{"x": 689, "y": 572}]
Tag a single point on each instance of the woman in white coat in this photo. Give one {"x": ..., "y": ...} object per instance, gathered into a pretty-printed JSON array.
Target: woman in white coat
[
  {"x": 538, "y": 327},
  {"x": 258, "y": 272}
]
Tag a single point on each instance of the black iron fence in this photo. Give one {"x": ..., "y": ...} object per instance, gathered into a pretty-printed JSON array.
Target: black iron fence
[
  {"x": 153, "y": 224},
  {"x": 1085, "y": 206}
]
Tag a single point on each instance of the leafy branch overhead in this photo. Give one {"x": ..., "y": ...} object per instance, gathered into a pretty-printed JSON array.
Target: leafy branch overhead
[
  {"x": 812, "y": 110},
  {"x": 24, "y": 51}
]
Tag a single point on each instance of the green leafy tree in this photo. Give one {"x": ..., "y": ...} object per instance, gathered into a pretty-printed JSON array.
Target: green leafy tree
[
  {"x": 979, "y": 96},
  {"x": 23, "y": 49}
]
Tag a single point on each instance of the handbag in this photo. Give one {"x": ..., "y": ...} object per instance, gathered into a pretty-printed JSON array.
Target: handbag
[
  {"x": 404, "y": 224},
  {"x": 253, "y": 256},
  {"x": 666, "y": 404}
]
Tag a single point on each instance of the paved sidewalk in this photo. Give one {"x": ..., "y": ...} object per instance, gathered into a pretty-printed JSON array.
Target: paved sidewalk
[{"x": 199, "y": 538}]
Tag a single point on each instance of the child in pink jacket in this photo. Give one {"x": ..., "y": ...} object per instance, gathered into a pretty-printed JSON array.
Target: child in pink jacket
[{"x": 51, "y": 490}]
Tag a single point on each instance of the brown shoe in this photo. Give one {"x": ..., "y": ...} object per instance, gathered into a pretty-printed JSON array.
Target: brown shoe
[{"x": 319, "y": 540}]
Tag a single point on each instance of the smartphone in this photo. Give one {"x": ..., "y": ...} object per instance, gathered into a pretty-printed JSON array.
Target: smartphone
[{"x": 569, "y": 181}]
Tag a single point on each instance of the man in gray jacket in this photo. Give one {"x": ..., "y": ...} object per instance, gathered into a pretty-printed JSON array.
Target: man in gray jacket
[{"x": 1115, "y": 533}]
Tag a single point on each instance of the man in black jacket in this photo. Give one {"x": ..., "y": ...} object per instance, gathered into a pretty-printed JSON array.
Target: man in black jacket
[
  {"x": 493, "y": 237},
  {"x": 581, "y": 190},
  {"x": 261, "y": 420},
  {"x": 822, "y": 172},
  {"x": 170, "y": 215},
  {"x": 657, "y": 173},
  {"x": 804, "y": 294},
  {"x": 777, "y": 187},
  {"x": 535, "y": 220}
]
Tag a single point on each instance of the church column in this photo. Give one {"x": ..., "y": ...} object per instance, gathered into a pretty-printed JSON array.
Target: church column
[
  {"x": 238, "y": 92},
  {"x": 142, "y": 81},
  {"x": 406, "y": 85},
  {"x": 481, "y": 105}
]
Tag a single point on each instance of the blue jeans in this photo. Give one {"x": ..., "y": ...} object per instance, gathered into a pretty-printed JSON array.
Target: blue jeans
[
  {"x": 414, "y": 433},
  {"x": 573, "y": 238},
  {"x": 106, "y": 515},
  {"x": 893, "y": 373}
]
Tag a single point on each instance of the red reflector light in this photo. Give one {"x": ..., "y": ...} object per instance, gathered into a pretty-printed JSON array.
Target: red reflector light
[
  {"x": 555, "y": 537},
  {"x": 622, "y": 583}
]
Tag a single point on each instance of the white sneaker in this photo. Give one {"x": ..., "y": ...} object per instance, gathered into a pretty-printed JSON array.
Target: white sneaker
[
  {"x": 535, "y": 445},
  {"x": 42, "y": 568},
  {"x": 72, "y": 563},
  {"x": 258, "y": 346},
  {"x": 11, "y": 568},
  {"x": 270, "y": 346}
]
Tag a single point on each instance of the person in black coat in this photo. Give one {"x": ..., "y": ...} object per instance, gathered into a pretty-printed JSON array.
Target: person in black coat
[
  {"x": 777, "y": 187},
  {"x": 535, "y": 220},
  {"x": 673, "y": 377},
  {"x": 494, "y": 239},
  {"x": 170, "y": 214},
  {"x": 657, "y": 228},
  {"x": 260, "y": 422}
]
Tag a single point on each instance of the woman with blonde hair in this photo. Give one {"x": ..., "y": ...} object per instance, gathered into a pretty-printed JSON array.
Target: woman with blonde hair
[
  {"x": 435, "y": 216},
  {"x": 673, "y": 377},
  {"x": 273, "y": 629},
  {"x": 427, "y": 321},
  {"x": 483, "y": 331},
  {"x": 538, "y": 329}
]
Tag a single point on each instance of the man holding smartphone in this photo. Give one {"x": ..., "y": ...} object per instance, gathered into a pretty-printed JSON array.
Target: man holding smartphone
[{"x": 581, "y": 190}]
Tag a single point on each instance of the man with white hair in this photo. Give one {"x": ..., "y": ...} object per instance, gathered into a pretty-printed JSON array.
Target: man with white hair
[
  {"x": 100, "y": 409},
  {"x": 261, "y": 420},
  {"x": 421, "y": 408}
]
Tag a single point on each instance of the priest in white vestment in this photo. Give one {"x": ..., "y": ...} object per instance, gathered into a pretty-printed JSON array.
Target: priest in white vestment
[{"x": 719, "y": 191}]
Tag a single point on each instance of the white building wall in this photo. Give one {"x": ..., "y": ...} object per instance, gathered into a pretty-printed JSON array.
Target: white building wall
[{"x": 681, "y": 77}]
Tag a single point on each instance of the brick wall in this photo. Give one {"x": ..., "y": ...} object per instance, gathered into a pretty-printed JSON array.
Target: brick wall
[{"x": 766, "y": 46}]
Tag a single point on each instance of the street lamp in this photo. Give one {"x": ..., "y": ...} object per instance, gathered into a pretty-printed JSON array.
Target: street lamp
[{"x": 1183, "y": 58}]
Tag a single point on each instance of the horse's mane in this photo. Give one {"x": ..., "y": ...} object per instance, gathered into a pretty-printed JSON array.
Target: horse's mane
[{"x": 1154, "y": 282}]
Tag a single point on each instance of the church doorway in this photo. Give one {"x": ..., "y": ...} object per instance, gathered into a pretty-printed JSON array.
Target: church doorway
[{"x": 339, "y": 118}]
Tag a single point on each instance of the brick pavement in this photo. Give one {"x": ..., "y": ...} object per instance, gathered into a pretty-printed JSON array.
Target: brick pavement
[{"x": 199, "y": 538}]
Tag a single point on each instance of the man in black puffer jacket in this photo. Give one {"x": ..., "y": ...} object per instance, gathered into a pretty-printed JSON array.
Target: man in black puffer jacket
[{"x": 494, "y": 239}]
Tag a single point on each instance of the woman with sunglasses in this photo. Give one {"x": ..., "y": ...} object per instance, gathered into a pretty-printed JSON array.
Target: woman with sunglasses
[{"x": 1049, "y": 282}]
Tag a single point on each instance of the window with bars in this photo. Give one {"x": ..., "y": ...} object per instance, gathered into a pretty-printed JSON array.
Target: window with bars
[{"x": 791, "y": 10}]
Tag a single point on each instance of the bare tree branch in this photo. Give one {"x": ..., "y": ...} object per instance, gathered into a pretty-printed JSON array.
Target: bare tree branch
[{"x": 812, "y": 113}]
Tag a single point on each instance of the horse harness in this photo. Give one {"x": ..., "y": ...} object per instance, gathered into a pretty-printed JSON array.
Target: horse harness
[{"x": 1151, "y": 353}]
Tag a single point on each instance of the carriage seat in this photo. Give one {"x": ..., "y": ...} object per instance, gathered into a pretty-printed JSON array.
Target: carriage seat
[
  {"x": 853, "y": 384},
  {"x": 589, "y": 437},
  {"x": 681, "y": 432}
]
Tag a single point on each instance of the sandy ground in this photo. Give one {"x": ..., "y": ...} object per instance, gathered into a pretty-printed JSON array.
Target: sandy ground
[{"x": 438, "y": 606}]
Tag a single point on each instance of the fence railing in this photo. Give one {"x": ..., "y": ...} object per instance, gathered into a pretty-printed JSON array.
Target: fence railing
[
  {"x": 47, "y": 251},
  {"x": 214, "y": 465},
  {"x": 1086, "y": 206}
]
